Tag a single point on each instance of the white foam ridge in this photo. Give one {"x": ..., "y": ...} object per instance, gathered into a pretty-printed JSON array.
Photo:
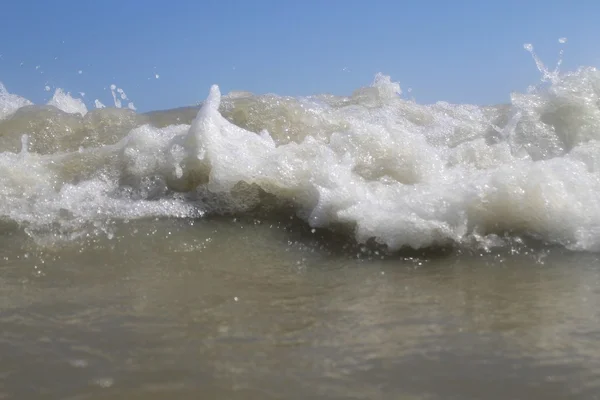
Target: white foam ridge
[
  {"x": 9, "y": 103},
  {"x": 409, "y": 183},
  {"x": 65, "y": 102}
]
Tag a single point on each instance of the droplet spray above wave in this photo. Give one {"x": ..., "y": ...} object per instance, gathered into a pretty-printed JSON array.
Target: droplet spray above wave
[
  {"x": 119, "y": 95},
  {"x": 63, "y": 101}
]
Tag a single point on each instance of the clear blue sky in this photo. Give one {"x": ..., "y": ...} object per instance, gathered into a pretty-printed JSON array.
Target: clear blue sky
[{"x": 457, "y": 51}]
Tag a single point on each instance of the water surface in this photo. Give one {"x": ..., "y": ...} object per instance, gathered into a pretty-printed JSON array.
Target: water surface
[{"x": 236, "y": 309}]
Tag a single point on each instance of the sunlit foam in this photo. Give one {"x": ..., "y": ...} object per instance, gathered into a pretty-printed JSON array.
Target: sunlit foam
[{"x": 372, "y": 165}]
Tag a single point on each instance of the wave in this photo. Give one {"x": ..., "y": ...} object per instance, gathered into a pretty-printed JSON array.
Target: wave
[{"x": 373, "y": 165}]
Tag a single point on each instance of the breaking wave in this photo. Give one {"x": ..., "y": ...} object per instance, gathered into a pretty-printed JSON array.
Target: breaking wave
[{"x": 372, "y": 165}]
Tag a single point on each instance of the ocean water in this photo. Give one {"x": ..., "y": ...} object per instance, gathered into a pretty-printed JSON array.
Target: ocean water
[{"x": 260, "y": 246}]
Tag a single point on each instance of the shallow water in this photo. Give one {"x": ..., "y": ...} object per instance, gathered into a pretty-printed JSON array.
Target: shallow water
[{"x": 220, "y": 308}]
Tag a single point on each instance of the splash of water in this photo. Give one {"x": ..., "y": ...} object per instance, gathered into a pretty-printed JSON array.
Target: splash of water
[
  {"x": 65, "y": 102},
  {"x": 9, "y": 103},
  {"x": 119, "y": 95},
  {"x": 547, "y": 75}
]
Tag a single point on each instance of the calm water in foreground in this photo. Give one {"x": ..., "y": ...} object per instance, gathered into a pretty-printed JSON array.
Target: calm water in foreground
[{"x": 230, "y": 309}]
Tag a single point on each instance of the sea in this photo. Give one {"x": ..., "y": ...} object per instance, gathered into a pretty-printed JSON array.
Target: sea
[{"x": 320, "y": 247}]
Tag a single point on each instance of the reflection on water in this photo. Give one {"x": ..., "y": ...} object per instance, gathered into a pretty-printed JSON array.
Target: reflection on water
[{"x": 229, "y": 309}]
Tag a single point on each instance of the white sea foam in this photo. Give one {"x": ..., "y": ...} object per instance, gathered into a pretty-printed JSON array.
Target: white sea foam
[
  {"x": 413, "y": 184},
  {"x": 65, "y": 102},
  {"x": 377, "y": 166},
  {"x": 9, "y": 103}
]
